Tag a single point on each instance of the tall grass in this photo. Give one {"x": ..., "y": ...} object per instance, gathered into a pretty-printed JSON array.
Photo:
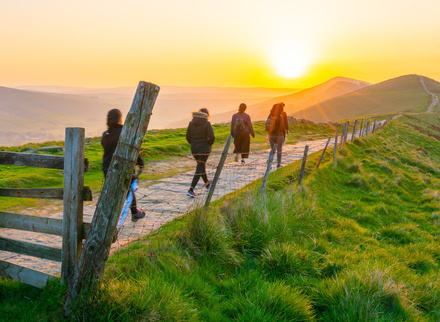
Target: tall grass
[{"x": 358, "y": 242}]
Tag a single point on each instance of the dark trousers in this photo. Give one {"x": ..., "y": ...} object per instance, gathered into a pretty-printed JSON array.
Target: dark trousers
[
  {"x": 200, "y": 169},
  {"x": 276, "y": 143},
  {"x": 133, "y": 206}
]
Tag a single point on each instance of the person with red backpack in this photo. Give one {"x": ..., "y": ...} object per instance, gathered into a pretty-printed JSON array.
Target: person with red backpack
[
  {"x": 277, "y": 127},
  {"x": 241, "y": 129}
]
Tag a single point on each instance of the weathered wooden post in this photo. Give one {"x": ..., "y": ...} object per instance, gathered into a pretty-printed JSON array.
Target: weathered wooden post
[
  {"x": 218, "y": 171},
  {"x": 97, "y": 247},
  {"x": 323, "y": 152},
  {"x": 361, "y": 128},
  {"x": 374, "y": 127},
  {"x": 335, "y": 163},
  {"x": 269, "y": 166},
  {"x": 354, "y": 130},
  {"x": 342, "y": 136},
  {"x": 346, "y": 132},
  {"x": 303, "y": 164},
  {"x": 72, "y": 201}
]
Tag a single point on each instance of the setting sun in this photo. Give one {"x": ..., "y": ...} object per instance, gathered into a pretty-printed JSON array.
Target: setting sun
[{"x": 290, "y": 59}]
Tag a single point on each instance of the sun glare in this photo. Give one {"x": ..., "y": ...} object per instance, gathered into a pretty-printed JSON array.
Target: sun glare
[{"x": 290, "y": 59}]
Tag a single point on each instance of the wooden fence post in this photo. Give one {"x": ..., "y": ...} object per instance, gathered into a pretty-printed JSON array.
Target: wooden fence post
[
  {"x": 323, "y": 152},
  {"x": 269, "y": 166},
  {"x": 346, "y": 132},
  {"x": 342, "y": 136},
  {"x": 335, "y": 148},
  {"x": 97, "y": 247},
  {"x": 354, "y": 130},
  {"x": 72, "y": 201},
  {"x": 361, "y": 128},
  {"x": 218, "y": 171},
  {"x": 374, "y": 127},
  {"x": 303, "y": 164}
]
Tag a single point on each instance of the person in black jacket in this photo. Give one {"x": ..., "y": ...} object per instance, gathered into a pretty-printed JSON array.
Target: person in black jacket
[
  {"x": 109, "y": 142},
  {"x": 201, "y": 137},
  {"x": 241, "y": 129}
]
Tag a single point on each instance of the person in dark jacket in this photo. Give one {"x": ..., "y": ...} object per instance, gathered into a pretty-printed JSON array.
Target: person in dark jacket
[
  {"x": 109, "y": 142},
  {"x": 201, "y": 137},
  {"x": 241, "y": 130},
  {"x": 278, "y": 126}
]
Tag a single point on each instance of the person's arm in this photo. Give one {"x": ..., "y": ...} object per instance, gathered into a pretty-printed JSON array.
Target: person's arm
[
  {"x": 286, "y": 122},
  {"x": 210, "y": 133},
  {"x": 250, "y": 127},
  {"x": 188, "y": 133},
  {"x": 232, "y": 124},
  {"x": 140, "y": 162}
]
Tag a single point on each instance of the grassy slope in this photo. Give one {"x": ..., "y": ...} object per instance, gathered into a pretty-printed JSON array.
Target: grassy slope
[
  {"x": 356, "y": 242},
  {"x": 157, "y": 145},
  {"x": 398, "y": 95}
]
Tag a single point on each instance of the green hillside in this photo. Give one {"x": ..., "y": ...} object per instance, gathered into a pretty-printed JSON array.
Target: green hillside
[
  {"x": 158, "y": 145},
  {"x": 359, "y": 242},
  {"x": 399, "y": 95}
]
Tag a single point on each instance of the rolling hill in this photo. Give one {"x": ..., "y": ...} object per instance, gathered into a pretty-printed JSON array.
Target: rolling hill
[
  {"x": 397, "y": 95},
  {"x": 37, "y": 114},
  {"x": 294, "y": 101}
]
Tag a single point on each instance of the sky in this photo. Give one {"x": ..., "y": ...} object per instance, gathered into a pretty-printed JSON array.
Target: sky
[{"x": 229, "y": 43}]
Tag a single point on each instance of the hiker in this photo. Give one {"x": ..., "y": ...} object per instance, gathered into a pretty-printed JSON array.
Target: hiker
[
  {"x": 201, "y": 137},
  {"x": 109, "y": 142},
  {"x": 277, "y": 126},
  {"x": 241, "y": 129}
]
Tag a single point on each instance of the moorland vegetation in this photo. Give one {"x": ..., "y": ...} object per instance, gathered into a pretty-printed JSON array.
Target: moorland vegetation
[{"x": 354, "y": 242}]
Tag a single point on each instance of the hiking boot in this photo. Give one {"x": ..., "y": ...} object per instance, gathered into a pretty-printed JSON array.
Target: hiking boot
[
  {"x": 191, "y": 193},
  {"x": 279, "y": 166},
  {"x": 208, "y": 185},
  {"x": 138, "y": 215},
  {"x": 236, "y": 158}
]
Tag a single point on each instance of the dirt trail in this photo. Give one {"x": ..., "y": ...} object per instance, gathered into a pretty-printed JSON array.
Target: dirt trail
[
  {"x": 434, "y": 98},
  {"x": 163, "y": 201}
]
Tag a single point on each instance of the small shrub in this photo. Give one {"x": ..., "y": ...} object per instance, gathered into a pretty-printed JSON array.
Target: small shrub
[
  {"x": 280, "y": 259},
  {"x": 207, "y": 235},
  {"x": 365, "y": 297}
]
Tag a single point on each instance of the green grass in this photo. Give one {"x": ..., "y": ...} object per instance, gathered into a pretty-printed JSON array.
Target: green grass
[
  {"x": 158, "y": 145},
  {"x": 356, "y": 242}
]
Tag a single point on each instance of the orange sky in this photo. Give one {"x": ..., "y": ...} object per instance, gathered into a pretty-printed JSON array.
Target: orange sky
[{"x": 268, "y": 43}]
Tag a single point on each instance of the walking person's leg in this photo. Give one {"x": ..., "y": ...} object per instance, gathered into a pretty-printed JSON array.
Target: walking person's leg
[
  {"x": 280, "y": 141},
  {"x": 200, "y": 172}
]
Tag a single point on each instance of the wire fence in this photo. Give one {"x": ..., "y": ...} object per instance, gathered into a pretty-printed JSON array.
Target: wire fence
[
  {"x": 166, "y": 198},
  {"x": 163, "y": 196}
]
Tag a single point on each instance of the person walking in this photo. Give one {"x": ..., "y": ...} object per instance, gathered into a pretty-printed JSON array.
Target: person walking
[
  {"x": 277, "y": 126},
  {"x": 201, "y": 137},
  {"x": 241, "y": 130},
  {"x": 109, "y": 142}
]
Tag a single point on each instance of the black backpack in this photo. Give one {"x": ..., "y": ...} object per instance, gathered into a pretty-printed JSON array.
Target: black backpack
[
  {"x": 275, "y": 125},
  {"x": 238, "y": 126}
]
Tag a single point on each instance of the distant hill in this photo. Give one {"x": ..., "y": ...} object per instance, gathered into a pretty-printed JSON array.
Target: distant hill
[
  {"x": 37, "y": 114},
  {"x": 397, "y": 95},
  {"x": 294, "y": 100}
]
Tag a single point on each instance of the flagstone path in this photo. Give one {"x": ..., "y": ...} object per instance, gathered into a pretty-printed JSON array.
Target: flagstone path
[{"x": 164, "y": 201}]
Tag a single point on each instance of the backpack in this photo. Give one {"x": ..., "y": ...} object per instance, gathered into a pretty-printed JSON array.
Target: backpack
[
  {"x": 275, "y": 125},
  {"x": 238, "y": 126}
]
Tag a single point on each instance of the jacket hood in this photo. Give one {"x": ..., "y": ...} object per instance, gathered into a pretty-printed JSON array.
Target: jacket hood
[
  {"x": 199, "y": 118},
  {"x": 200, "y": 115}
]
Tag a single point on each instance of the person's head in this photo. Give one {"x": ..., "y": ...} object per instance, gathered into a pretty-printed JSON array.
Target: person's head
[
  {"x": 204, "y": 110},
  {"x": 277, "y": 109},
  {"x": 242, "y": 108},
  {"x": 114, "y": 118}
]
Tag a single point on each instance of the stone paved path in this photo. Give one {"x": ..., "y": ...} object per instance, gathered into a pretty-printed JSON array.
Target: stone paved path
[{"x": 163, "y": 202}]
